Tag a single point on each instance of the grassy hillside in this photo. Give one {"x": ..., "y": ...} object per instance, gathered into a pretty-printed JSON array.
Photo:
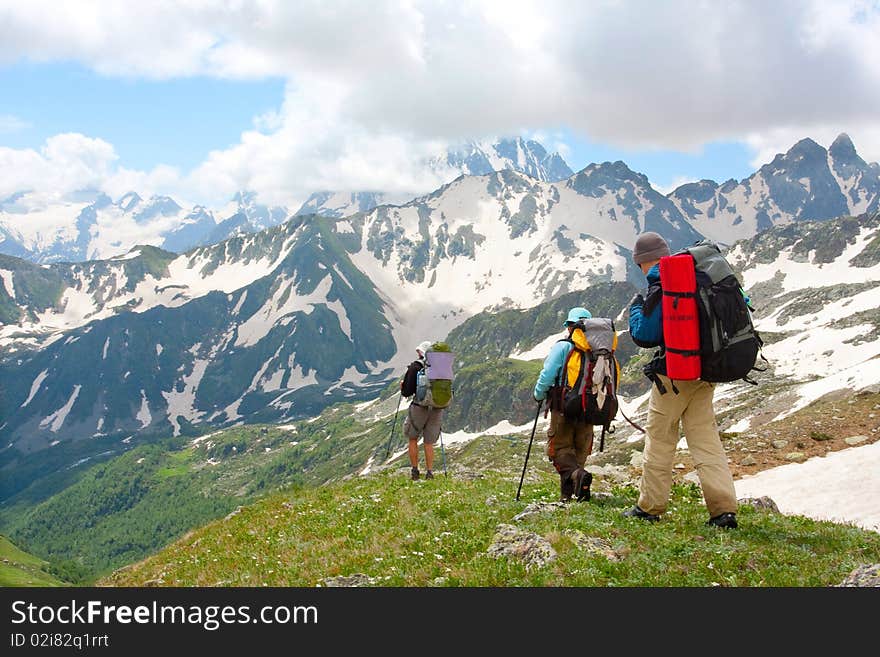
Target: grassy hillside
[
  {"x": 18, "y": 568},
  {"x": 466, "y": 530},
  {"x": 130, "y": 506}
]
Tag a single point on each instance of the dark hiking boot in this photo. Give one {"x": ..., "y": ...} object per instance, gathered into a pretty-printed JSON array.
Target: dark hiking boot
[
  {"x": 636, "y": 512},
  {"x": 414, "y": 475},
  {"x": 429, "y": 475},
  {"x": 566, "y": 489},
  {"x": 582, "y": 482},
  {"x": 723, "y": 520}
]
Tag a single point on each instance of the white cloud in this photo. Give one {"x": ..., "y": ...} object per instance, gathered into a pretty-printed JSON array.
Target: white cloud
[
  {"x": 677, "y": 182},
  {"x": 70, "y": 162},
  {"x": 766, "y": 145},
  {"x": 372, "y": 86},
  {"x": 65, "y": 163}
]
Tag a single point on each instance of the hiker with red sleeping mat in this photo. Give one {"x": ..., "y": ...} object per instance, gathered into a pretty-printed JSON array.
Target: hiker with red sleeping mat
[{"x": 668, "y": 319}]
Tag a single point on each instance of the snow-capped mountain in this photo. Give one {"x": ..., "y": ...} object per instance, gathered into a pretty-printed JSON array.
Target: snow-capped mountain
[
  {"x": 343, "y": 204},
  {"x": 507, "y": 240},
  {"x": 471, "y": 158},
  {"x": 477, "y": 158},
  {"x": 279, "y": 323},
  {"x": 816, "y": 288},
  {"x": 90, "y": 225},
  {"x": 94, "y": 227},
  {"x": 152, "y": 341},
  {"x": 806, "y": 183}
]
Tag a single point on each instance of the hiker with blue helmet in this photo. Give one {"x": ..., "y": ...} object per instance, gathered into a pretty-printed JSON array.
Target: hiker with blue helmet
[{"x": 569, "y": 442}]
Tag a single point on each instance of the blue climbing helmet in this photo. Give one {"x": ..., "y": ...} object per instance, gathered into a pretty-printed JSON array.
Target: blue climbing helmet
[{"x": 577, "y": 314}]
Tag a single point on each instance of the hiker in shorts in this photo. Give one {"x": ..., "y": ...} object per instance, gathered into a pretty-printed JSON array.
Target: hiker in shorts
[
  {"x": 688, "y": 403},
  {"x": 569, "y": 442},
  {"x": 421, "y": 421}
]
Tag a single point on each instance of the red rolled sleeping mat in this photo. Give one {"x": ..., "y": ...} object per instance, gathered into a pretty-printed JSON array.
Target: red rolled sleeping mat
[{"x": 681, "y": 323}]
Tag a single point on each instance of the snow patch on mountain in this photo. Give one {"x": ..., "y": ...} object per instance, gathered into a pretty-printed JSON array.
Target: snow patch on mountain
[
  {"x": 7, "y": 277},
  {"x": 511, "y": 246},
  {"x": 56, "y": 420},
  {"x": 285, "y": 301},
  {"x": 35, "y": 386},
  {"x": 822, "y": 316},
  {"x": 143, "y": 415},
  {"x": 799, "y": 272},
  {"x": 792, "y": 487},
  {"x": 540, "y": 350},
  {"x": 182, "y": 402}
]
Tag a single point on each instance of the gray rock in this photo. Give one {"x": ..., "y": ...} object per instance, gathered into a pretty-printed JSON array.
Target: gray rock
[
  {"x": 538, "y": 507},
  {"x": 795, "y": 456},
  {"x": 636, "y": 460},
  {"x": 619, "y": 474},
  {"x": 779, "y": 444},
  {"x": 855, "y": 440},
  {"x": 357, "y": 579},
  {"x": 748, "y": 460},
  {"x": 601, "y": 546},
  {"x": 865, "y": 575},
  {"x": 762, "y": 502},
  {"x": 532, "y": 549}
]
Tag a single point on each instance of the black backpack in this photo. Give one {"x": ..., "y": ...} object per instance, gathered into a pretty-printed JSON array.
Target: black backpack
[{"x": 729, "y": 343}]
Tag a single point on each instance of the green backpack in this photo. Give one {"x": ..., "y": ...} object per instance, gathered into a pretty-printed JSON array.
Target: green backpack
[{"x": 434, "y": 381}]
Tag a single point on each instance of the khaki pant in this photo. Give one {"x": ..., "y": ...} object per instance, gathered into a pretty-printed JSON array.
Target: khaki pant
[
  {"x": 692, "y": 406},
  {"x": 423, "y": 421},
  {"x": 568, "y": 443}
]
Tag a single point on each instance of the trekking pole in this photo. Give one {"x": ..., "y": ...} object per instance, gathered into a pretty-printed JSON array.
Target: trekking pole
[
  {"x": 529, "y": 451},
  {"x": 393, "y": 426},
  {"x": 443, "y": 454}
]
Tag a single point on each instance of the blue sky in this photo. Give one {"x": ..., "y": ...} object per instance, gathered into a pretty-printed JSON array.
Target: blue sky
[
  {"x": 149, "y": 122},
  {"x": 200, "y": 100}
]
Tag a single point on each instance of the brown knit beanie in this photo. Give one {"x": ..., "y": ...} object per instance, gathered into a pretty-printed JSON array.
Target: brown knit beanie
[{"x": 650, "y": 246}]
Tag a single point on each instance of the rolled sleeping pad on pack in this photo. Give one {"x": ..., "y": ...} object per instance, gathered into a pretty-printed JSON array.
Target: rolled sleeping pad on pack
[{"x": 681, "y": 321}]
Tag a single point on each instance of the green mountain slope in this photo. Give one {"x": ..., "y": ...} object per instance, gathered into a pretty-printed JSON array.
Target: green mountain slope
[
  {"x": 168, "y": 369},
  {"x": 467, "y": 530},
  {"x": 18, "y": 568},
  {"x": 122, "y": 501}
]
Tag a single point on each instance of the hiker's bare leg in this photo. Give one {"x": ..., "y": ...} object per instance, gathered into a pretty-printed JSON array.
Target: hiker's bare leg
[
  {"x": 413, "y": 449},
  {"x": 429, "y": 456}
]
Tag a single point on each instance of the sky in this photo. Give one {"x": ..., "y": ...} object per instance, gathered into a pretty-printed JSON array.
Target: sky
[{"x": 200, "y": 98}]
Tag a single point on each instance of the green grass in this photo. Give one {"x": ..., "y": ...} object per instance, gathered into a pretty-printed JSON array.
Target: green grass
[
  {"x": 18, "y": 568},
  {"x": 437, "y": 533}
]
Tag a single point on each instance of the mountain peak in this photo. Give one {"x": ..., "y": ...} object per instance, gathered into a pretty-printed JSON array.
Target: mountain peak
[
  {"x": 842, "y": 149},
  {"x": 129, "y": 201},
  {"x": 805, "y": 147},
  {"x": 245, "y": 197},
  {"x": 618, "y": 169}
]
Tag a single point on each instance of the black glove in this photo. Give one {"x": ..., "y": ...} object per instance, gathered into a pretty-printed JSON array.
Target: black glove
[{"x": 637, "y": 300}]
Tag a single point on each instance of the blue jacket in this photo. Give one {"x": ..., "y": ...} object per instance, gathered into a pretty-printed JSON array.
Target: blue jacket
[
  {"x": 549, "y": 376},
  {"x": 645, "y": 314}
]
